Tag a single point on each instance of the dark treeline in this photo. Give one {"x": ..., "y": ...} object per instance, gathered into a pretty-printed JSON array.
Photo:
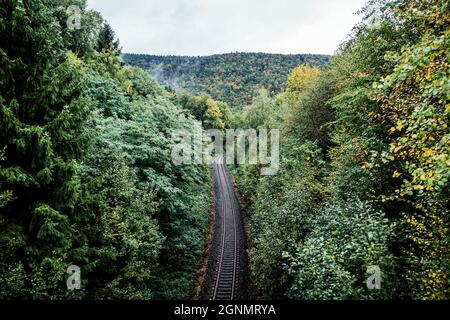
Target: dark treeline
[
  {"x": 86, "y": 176},
  {"x": 234, "y": 78}
]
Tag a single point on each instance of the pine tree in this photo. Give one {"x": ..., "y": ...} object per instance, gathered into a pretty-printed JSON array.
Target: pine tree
[
  {"x": 106, "y": 39},
  {"x": 42, "y": 115}
]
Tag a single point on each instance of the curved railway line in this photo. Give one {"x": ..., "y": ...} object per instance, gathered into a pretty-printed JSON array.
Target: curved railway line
[{"x": 227, "y": 263}]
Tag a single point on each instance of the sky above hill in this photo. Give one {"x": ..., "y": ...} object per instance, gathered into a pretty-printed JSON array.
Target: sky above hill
[{"x": 204, "y": 27}]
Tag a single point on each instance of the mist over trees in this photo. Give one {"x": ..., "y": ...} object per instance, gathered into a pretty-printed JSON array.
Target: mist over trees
[
  {"x": 87, "y": 179},
  {"x": 234, "y": 78}
]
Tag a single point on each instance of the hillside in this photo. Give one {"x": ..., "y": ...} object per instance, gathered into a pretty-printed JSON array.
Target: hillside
[
  {"x": 337, "y": 188},
  {"x": 234, "y": 78}
]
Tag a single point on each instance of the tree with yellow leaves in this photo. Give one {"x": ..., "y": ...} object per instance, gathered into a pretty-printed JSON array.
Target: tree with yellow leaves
[{"x": 415, "y": 102}]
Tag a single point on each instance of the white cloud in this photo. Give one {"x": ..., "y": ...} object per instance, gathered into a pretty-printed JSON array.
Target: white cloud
[{"x": 201, "y": 27}]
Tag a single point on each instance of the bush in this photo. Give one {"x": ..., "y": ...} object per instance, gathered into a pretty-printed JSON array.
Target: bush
[{"x": 331, "y": 263}]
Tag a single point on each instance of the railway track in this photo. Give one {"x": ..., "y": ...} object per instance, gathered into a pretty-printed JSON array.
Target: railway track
[{"x": 227, "y": 261}]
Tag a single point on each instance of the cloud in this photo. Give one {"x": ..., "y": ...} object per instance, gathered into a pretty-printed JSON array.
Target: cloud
[{"x": 202, "y": 27}]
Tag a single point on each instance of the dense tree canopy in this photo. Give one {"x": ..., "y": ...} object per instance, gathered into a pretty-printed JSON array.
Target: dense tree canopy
[
  {"x": 234, "y": 78},
  {"x": 212, "y": 114},
  {"x": 86, "y": 176},
  {"x": 87, "y": 179},
  {"x": 364, "y": 169},
  {"x": 42, "y": 108}
]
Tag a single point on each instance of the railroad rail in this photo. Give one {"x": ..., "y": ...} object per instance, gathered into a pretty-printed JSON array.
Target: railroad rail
[{"x": 227, "y": 265}]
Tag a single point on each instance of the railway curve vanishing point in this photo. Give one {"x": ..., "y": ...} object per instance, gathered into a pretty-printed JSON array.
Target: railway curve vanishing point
[{"x": 226, "y": 275}]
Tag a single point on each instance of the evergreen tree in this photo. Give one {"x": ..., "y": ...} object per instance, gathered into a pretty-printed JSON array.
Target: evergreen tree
[
  {"x": 42, "y": 114},
  {"x": 106, "y": 39}
]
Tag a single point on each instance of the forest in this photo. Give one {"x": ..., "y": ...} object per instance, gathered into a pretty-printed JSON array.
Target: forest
[
  {"x": 365, "y": 168},
  {"x": 86, "y": 176},
  {"x": 87, "y": 179},
  {"x": 234, "y": 78}
]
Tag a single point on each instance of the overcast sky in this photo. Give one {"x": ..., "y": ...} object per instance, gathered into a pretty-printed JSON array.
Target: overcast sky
[{"x": 204, "y": 27}]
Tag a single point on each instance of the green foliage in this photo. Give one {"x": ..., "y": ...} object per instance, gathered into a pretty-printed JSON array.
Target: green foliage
[
  {"x": 350, "y": 237},
  {"x": 212, "y": 114},
  {"x": 281, "y": 216},
  {"x": 364, "y": 166},
  {"x": 310, "y": 110},
  {"x": 234, "y": 78},
  {"x": 415, "y": 101},
  {"x": 106, "y": 39},
  {"x": 124, "y": 238},
  {"x": 42, "y": 112},
  {"x": 110, "y": 99},
  {"x": 80, "y": 40},
  {"x": 86, "y": 176},
  {"x": 260, "y": 113},
  {"x": 140, "y": 127}
]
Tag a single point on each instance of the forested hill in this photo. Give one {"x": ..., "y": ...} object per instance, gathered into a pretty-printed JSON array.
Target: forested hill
[{"x": 234, "y": 78}]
